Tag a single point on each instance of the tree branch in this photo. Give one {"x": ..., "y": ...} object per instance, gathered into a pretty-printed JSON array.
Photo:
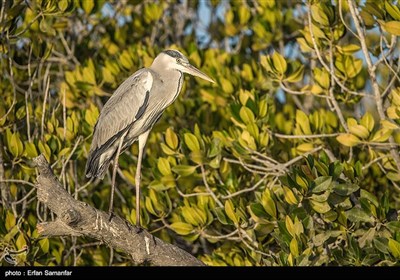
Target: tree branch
[{"x": 76, "y": 218}]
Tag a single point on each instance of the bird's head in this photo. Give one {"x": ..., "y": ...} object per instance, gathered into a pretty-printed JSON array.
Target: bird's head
[{"x": 175, "y": 60}]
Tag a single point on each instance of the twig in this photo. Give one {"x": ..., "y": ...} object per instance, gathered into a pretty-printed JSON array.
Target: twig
[
  {"x": 191, "y": 194},
  {"x": 4, "y": 188},
  {"x": 46, "y": 94},
  {"x": 248, "y": 189},
  {"x": 371, "y": 70},
  {"x": 285, "y": 136},
  {"x": 203, "y": 173}
]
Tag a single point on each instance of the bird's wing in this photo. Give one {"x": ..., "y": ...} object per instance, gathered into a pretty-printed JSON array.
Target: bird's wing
[{"x": 124, "y": 107}]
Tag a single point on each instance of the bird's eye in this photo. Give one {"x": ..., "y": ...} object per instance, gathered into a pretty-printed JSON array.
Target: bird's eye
[{"x": 179, "y": 61}]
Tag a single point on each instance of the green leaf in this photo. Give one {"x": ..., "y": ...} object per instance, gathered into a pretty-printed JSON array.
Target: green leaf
[
  {"x": 348, "y": 139},
  {"x": 381, "y": 244},
  {"x": 320, "y": 207},
  {"x": 394, "y": 247},
  {"x": 191, "y": 142},
  {"x": 393, "y": 226},
  {"x": 221, "y": 215},
  {"x": 181, "y": 228},
  {"x": 322, "y": 184},
  {"x": 358, "y": 215},
  {"x": 345, "y": 189},
  {"x": 184, "y": 170},
  {"x": 367, "y": 237},
  {"x": 257, "y": 212},
  {"x": 369, "y": 196},
  {"x": 230, "y": 212}
]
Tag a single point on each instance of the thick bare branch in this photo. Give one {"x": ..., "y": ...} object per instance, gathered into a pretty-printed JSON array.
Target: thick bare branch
[{"x": 76, "y": 218}]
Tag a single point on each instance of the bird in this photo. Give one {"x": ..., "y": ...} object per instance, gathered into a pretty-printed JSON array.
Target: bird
[{"x": 131, "y": 112}]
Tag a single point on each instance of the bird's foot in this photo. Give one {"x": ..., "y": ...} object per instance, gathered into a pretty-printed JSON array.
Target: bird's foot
[
  {"x": 138, "y": 228},
  {"x": 110, "y": 216}
]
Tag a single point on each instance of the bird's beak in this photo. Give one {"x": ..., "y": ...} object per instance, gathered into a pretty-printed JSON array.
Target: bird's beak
[{"x": 190, "y": 69}]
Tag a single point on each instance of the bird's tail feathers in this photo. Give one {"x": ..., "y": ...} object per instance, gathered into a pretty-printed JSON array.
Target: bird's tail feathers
[{"x": 95, "y": 168}]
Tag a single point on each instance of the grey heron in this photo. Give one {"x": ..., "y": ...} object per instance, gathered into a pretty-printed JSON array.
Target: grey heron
[{"x": 131, "y": 112}]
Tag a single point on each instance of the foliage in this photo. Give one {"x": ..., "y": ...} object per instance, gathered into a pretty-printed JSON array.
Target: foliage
[{"x": 291, "y": 159}]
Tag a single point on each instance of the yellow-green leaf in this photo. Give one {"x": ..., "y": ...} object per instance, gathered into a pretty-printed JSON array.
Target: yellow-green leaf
[
  {"x": 393, "y": 10},
  {"x": 393, "y": 27},
  {"x": 382, "y": 135},
  {"x": 244, "y": 14},
  {"x": 294, "y": 247},
  {"x": 348, "y": 49},
  {"x": 303, "y": 121},
  {"x": 289, "y": 196},
  {"x": 359, "y": 131},
  {"x": 62, "y": 5},
  {"x": 268, "y": 203},
  {"x": 389, "y": 125},
  {"x": 348, "y": 139},
  {"x": 181, "y": 228},
  {"x": 352, "y": 66},
  {"x": 368, "y": 121},
  {"x": 16, "y": 146},
  {"x": 10, "y": 221},
  {"x": 184, "y": 170},
  {"x": 318, "y": 15},
  {"x": 279, "y": 63},
  {"x": 320, "y": 207},
  {"x": 191, "y": 142},
  {"x": 290, "y": 226},
  {"x": 171, "y": 138},
  {"x": 163, "y": 166},
  {"x": 87, "y": 6},
  {"x": 230, "y": 212},
  {"x": 296, "y": 76},
  {"x": 394, "y": 247},
  {"x": 44, "y": 244},
  {"x": 246, "y": 115}
]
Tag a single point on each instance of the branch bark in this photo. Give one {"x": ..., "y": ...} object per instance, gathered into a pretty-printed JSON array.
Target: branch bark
[{"x": 76, "y": 218}]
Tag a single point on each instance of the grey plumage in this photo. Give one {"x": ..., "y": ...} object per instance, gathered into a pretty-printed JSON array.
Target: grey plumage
[{"x": 134, "y": 108}]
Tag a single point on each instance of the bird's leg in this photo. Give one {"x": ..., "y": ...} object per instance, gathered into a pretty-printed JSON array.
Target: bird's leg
[
  {"x": 142, "y": 143},
  {"x": 114, "y": 174}
]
